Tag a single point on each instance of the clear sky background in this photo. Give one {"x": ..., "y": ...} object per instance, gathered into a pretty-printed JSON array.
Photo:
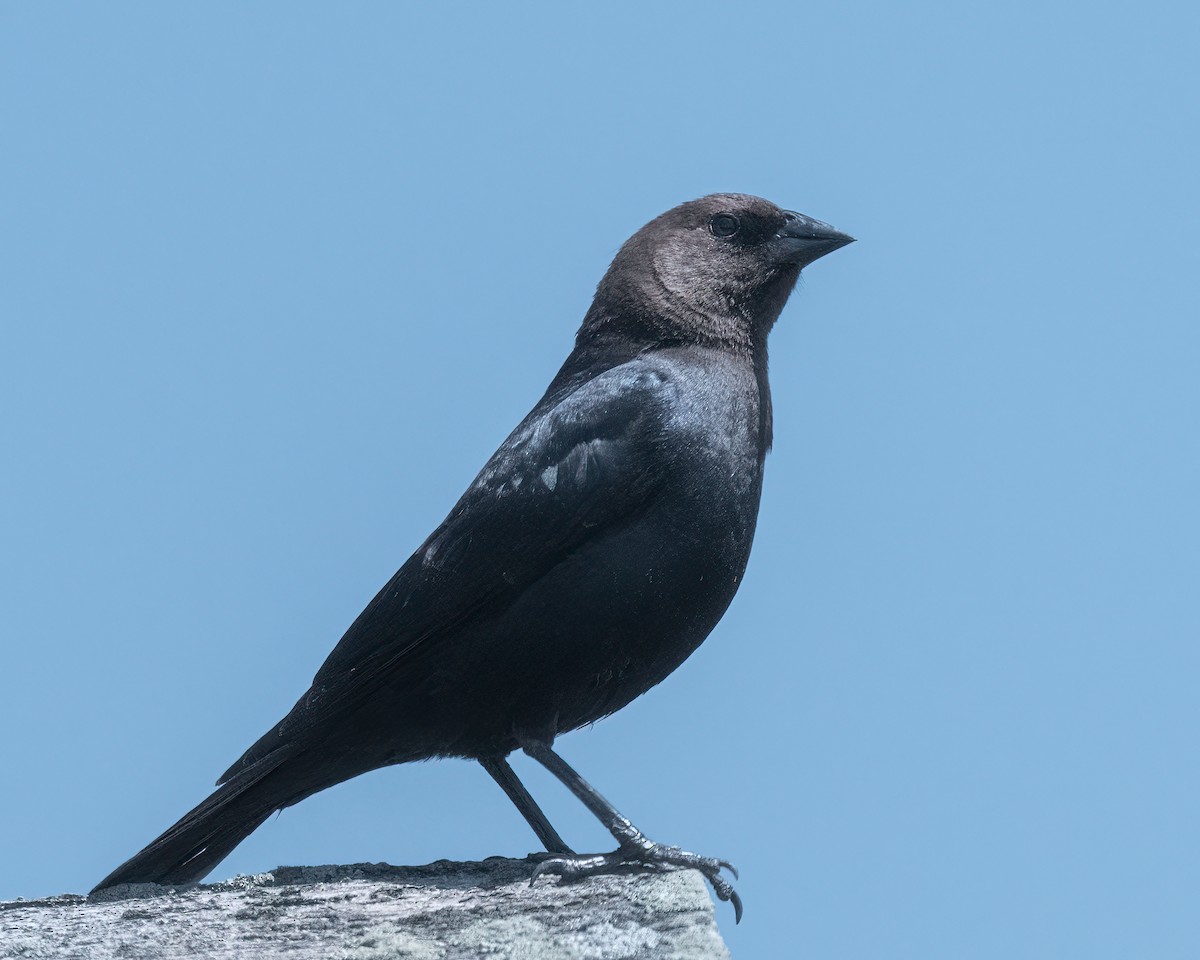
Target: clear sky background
[{"x": 278, "y": 277}]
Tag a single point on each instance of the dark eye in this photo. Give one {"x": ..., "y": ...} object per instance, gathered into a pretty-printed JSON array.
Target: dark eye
[{"x": 722, "y": 225}]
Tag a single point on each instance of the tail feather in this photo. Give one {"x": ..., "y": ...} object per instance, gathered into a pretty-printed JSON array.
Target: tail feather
[{"x": 205, "y": 835}]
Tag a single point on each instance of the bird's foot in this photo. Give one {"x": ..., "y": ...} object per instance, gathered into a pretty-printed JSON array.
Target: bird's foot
[{"x": 642, "y": 855}]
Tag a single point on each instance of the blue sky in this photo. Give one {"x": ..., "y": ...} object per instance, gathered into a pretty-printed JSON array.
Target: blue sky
[{"x": 278, "y": 278}]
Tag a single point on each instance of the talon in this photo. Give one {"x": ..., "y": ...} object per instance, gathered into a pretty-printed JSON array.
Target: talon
[
  {"x": 546, "y": 866},
  {"x": 540, "y": 855},
  {"x": 650, "y": 857}
]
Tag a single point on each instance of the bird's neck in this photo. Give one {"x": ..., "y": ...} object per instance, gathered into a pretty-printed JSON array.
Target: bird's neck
[
  {"x": 655, "y": 318},
  {"x": 608, "y": 339},
  {"x": 638, "y": 303}
]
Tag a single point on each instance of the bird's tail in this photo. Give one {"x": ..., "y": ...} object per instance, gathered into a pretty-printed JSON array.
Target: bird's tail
[{"x": 204, "y": 836}]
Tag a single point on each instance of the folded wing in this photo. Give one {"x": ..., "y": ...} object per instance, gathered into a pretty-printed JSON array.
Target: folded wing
[{"x": 575, "y": 468}]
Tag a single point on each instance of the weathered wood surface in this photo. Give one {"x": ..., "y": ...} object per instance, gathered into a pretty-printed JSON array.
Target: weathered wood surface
[{"x": 443, "y": 911}]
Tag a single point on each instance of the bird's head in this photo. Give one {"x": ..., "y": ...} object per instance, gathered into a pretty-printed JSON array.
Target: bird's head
[{"x": 721, "y": 267}]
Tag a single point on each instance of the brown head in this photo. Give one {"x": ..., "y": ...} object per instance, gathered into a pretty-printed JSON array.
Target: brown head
[{"x": 718, "y": 269}]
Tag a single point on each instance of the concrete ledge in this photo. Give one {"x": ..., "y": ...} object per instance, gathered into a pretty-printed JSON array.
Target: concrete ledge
[{"x": 442, "y": 911}]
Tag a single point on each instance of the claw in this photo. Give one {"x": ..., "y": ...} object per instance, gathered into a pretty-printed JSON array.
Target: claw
[
  {"x": 546, "y": 866},
  {"x": 737, "y": 906},
  {"x": 726, "y": 893},
  {"x": 649, "y": 857}
]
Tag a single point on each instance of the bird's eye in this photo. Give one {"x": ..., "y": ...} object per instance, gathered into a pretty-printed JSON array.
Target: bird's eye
[{"x": 724, "y": 226}]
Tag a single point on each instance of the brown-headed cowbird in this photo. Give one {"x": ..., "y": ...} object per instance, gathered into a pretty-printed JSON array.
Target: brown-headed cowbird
[{"x": 593, "y": 553}]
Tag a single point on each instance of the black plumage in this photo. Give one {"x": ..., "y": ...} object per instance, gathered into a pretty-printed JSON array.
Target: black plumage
[{"x": 592, "y": 554}]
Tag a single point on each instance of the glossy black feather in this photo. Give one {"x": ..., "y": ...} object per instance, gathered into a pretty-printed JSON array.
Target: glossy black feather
[{"x": 577, "y": 466}]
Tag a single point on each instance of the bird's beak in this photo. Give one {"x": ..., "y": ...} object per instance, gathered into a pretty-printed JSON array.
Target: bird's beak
[{"x": 801, "y": 239}]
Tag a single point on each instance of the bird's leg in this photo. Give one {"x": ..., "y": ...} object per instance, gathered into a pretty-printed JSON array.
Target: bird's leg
[
  {"x": 504, "y": 775},
  {"x": 635, "y": 850}
]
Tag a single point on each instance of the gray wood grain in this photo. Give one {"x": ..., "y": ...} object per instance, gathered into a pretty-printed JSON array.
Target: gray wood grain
[{"x": 443, "y": 911}]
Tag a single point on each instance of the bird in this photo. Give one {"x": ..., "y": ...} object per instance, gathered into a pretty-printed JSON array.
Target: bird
[{"x": 593, "y": 553}]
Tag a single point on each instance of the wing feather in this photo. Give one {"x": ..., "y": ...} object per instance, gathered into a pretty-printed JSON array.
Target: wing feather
[{"x": 574, "y": 468}]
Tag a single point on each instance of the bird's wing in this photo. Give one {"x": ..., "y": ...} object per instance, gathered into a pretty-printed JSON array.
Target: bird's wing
[{"x": 569, "y": 473}]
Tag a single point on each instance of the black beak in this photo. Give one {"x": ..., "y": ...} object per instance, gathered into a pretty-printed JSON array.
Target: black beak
[{"x": 802, "y": 239}]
